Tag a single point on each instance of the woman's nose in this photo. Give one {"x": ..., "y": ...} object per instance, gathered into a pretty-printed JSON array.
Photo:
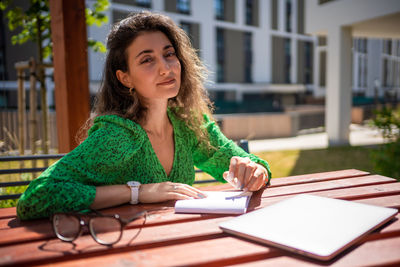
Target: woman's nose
[{"x": 164, "y": 66}]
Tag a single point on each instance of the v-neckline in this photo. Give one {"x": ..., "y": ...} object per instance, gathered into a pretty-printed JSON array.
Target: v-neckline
[{"x": 175, "y": 149}]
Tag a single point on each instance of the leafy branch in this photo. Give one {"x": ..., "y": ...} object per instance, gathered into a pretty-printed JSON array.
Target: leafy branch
[{"x": 33, "y": 24}]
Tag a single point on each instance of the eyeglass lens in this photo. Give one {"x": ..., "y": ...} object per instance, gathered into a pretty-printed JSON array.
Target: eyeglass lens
[
  {"x": 67, "y": 227},
  {"x": 106, "y": 230}
]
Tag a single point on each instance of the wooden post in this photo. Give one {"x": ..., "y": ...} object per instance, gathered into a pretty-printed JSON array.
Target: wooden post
[
  {"x": 44, "y": 108},
  {"x": 21, "y": 111},
  {"x": 68, "y": 27},
  {"x": 32, "y": 109},
  {"x": 32, "y": 106}
]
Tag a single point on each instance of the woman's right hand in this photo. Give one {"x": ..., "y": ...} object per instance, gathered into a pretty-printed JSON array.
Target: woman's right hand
[{"x": 159, "y": 192}]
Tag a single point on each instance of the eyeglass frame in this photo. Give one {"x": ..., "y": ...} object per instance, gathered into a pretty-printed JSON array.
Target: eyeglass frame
[{"x": 94, "y": 214}]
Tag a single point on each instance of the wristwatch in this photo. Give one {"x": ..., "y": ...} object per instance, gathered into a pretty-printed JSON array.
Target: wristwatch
[{"x": 134, "y": 185}]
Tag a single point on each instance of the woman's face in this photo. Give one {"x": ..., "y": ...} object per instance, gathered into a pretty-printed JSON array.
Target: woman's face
[{"x": 153, "y": 67}]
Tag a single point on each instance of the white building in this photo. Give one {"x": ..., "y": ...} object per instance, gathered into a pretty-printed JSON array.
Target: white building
[
  {"x": 375, "y": 64},
  {"x": 252, "y": 48}
]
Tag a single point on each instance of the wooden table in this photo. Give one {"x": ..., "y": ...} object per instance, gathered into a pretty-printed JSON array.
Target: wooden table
[{"x": 170, "y": 239}]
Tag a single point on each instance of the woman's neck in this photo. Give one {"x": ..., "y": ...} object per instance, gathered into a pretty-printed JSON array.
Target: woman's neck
[{"x": 156, "y": 122}]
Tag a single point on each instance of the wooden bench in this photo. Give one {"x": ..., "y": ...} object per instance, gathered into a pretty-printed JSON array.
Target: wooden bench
[{"x": 242, "y": 143}]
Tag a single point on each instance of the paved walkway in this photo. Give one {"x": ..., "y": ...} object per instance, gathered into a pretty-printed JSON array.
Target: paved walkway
[{"x": 359, "y": 136}]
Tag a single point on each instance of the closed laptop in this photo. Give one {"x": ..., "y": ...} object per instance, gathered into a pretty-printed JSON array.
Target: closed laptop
[{"x": 310, "y": 225}]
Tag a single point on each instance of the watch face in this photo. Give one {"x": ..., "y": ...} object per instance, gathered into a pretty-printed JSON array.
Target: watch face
[{"x": 133, "y": 183}]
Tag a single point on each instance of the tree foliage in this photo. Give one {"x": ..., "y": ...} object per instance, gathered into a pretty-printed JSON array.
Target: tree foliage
[
  {"x": 33, "y": 24},
  {"x": 387, "y": 158}
]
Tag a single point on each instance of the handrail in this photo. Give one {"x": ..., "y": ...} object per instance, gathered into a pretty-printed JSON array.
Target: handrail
[{"x": 32, "y": 157}]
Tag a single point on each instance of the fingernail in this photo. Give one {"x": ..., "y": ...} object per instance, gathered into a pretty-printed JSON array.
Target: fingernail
[
  {"x": 201, "y": 195},
  {"x": 238, "y": 184},
  {"x": 233, "y": 162}
]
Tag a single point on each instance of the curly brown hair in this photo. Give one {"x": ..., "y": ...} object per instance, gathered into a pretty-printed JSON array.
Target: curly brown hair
[{"x": 192, "y": 101}]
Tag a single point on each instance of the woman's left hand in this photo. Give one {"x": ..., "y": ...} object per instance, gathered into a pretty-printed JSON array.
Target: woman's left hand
[{"x": 248, "y": 175}]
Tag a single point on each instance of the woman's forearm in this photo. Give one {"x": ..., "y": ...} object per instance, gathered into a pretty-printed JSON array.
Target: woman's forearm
[{"x": 111, "y": 195}]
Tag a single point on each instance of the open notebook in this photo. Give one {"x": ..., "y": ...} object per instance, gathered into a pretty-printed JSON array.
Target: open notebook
[
  {"x": 224, "y": 202},
  {"x": 310, "y": 225}
]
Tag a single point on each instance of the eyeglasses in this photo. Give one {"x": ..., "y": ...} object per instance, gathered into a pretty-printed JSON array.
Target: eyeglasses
[{"x": 105, "y": 229}]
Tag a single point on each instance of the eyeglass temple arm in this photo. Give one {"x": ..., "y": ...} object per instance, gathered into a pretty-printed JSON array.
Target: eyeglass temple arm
[
  {"x": 126, "y": 221},
  {"x": 136, "y": 216}
]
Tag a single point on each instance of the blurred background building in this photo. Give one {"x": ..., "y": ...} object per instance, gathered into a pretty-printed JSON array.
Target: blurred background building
[{"x": 264, "y": 56}]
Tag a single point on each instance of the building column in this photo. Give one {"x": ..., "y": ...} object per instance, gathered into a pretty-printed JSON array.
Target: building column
[
  {"x": 204, "y": 11},
  {"x": 338, "y": 94},
  {"x": 262, "y": 46},
  {"x": 239, "y": 12}
]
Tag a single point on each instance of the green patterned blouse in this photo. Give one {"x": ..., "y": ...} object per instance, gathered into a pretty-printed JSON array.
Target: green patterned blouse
[{"x": 116, "y": 151}]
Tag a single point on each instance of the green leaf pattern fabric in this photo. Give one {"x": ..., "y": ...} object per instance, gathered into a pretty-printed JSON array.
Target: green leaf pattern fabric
[{"x": 116, "y": 151}]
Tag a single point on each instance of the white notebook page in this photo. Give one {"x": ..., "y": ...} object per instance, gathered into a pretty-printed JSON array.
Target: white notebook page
[{"x": 216, "y": 202}]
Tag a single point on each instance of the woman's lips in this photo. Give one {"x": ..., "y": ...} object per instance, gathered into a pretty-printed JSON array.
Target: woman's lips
[{"x": 167, "y": 82}]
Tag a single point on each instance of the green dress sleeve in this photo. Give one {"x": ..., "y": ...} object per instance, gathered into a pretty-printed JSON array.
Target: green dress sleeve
[
  {"x": 70, "y": 183},
  {"x": 216, "y": 162}
]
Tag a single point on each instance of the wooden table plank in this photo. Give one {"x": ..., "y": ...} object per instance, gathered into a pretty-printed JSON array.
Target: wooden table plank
[
  {"x": 153, "y": 236},
  {"x": 375, "y": 253},
  {"x": 352, "y": 193},
  {"x": 315, "y": 177},
  {"x": 8, "y": 213},
  {"x": 224, "y": 251},
  {"x": 385, "y": 201},
  {"x": 327, "y": 185}
]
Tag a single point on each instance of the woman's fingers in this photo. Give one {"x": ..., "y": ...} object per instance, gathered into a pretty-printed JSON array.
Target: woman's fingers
[
  {"x": 248, "y": 174},
  {"x": 257, "y": 180},
  {"x": 158, "y": 192},
  {"x": 240, "y": 170},
  {"x": 184, "y": 189}
]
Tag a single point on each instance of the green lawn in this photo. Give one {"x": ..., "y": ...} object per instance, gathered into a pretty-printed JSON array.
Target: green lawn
[
  {"x": 282, "y": 163},
  {"x": 296, "y": 162}
]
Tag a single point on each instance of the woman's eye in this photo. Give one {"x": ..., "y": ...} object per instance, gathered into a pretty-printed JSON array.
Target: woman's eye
[
  {"x": 146, "y": 60},
  {"x": 170, "y": 54}
]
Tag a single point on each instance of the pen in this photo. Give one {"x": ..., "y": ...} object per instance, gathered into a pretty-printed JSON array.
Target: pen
[{"x": 245, "y": 193}]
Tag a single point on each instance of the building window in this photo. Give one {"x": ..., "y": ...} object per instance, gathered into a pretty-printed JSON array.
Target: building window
[
  {"x": 398, "y": 48},
  {"x": 183, "y": 6},
  {"x": 288, "y": 21},
  {"x": 287, "y": 60},
  {"x": 386, "y": 72},
  {"x": 249, "y": 12},
  {"x": 3, "y": 70},
  {"x": 219, "y": 7},
  {"x": 143, "y": 3},
  {"x": 360, "y": 59},
  {"x": 192, "y": 31},
  {"x": 390, "y": 64},
  {"x": 387, "y": 47},
  {"x": 187, "y": 28},
  {"x": 220, "y": 55},
  {"x": 274, "y": 14},
  {"x": 322, "y": 69},
  {"x": 308, "y": 65},
  {"x": 321, "y": 2},
  {"x": 248, "y": 56}
]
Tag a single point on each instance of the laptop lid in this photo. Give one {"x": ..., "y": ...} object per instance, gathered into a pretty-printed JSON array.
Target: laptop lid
[{"x": 310, "y": 225}]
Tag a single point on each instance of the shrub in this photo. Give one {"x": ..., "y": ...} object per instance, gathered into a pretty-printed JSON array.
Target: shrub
[{"x": 387, "y": 159}]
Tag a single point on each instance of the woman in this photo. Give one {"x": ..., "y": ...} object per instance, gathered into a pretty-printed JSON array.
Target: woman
[{"x": 152, "y": 126}]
